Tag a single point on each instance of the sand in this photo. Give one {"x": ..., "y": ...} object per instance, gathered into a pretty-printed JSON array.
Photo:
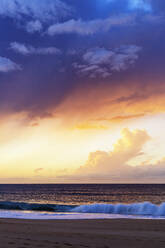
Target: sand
[{"x": 121, "y": 233}]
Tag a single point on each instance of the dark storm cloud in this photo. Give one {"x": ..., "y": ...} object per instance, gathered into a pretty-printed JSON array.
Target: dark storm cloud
[{"x": 99, "y": 37}]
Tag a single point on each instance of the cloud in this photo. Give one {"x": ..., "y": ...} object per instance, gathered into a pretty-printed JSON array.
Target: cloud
[
  {"x": 121, "y": 118},
  {"x": 7, "y": 65},
  {"x": 140, "y": 4},
  {"x": 34, "y": 26},
  {"x": 115, "y": 101},
  {"x": 144, "y": 5},
  {"x": 88, "y": 27},
  {"x": 103, "y": 123},
  {"x": 29, "y": 50},
  {"x": 102, "y": 62},
  {"x": 58, "y": 85},
  {"x": 127, "y": 147},
  {"x": 88, "y": 126},
  {"x": 45, "y": 10},
  {"x": 114, "y": 167}
]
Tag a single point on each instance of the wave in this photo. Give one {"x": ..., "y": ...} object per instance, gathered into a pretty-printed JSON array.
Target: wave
[
  {"x": 138, "y": 209},
  {"x": 142, "y": 209},
  {"x": 5, "y": 205}
]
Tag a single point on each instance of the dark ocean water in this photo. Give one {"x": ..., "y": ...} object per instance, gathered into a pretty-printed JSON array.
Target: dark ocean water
[
  {"x": 146, "y": 199},
  {"x": 78, "y": 194}
]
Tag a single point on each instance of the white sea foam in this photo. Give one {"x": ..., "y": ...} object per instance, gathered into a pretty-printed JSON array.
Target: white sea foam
[
  {"x": 93, "y": 211},
  {"x": 143, "y": 209}
]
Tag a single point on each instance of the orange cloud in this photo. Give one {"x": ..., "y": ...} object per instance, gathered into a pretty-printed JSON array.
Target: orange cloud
[
  {"x": 129, "y": 146},
  {"x": 118, "y": 119},
  {"x": 106, "y": 104},
  {"x": 84, "y": 126},
  {"x": 113, "y": 166}
]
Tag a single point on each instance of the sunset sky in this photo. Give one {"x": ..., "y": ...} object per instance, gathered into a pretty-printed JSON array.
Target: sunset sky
[{"x": 82, "y": 91}]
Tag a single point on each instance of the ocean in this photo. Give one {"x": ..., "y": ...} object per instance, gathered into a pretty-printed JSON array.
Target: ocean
[{"x": 82, "y": 201}]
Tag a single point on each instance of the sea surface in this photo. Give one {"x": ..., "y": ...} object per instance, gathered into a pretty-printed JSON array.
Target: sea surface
[{"x": 82, "y": 201}]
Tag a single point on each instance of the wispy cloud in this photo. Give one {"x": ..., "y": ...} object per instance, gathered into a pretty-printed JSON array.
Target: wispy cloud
[
  {"x": 29, "y": 50},
  {"x": 7, "y": 65},
  {"x": 45, "y": 10},
  {"x": 140, "y": 4},
  {"x": 102, "y": 62},
  {"x": 135, "y": 4},
  {"x": 88, "y": 27},
  {"x": 34, "y": 26}
]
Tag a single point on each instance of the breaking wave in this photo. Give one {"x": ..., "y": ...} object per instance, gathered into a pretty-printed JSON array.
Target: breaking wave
[
  {"x": 145, "y": 209},
  {"x": 138, "y": 209}
]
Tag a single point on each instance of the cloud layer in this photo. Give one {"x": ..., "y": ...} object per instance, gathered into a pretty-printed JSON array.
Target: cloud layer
[{"x": 103, "y": 53}]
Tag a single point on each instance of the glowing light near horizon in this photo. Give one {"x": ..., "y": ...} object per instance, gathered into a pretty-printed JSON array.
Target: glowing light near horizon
[{"x": 43, "y": 147}]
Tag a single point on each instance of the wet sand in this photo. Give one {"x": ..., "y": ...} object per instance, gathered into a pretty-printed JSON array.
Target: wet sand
[{"x": 121, "y": 233}]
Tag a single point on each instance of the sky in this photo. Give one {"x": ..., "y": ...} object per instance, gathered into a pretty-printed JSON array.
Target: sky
[{"x": 82, "y": 91}]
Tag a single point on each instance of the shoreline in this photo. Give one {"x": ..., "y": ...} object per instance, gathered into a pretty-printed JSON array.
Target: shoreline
[
  {"x": 26, "y": 210},
  {"x": 40, "y": 215},
  {"x": 109, "y": 233}
]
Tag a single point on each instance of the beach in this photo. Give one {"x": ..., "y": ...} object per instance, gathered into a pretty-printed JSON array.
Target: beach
[{"x": 112, "y": 233}]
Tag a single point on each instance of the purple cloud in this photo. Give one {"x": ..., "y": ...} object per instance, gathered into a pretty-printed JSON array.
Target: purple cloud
[
  {"x": 29, "y": 50},
  {"x": 88, "y": 27},
  {"x": 7, "y": 65},
  {"x": 103, "y": 62}
]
